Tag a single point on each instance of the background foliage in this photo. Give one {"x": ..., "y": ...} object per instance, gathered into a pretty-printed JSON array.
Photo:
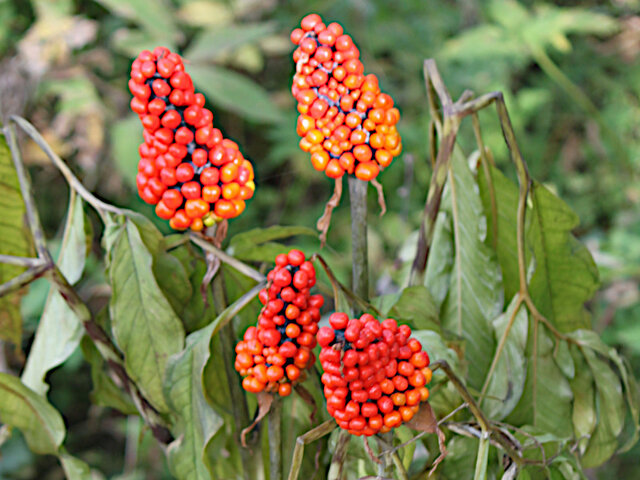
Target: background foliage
[{"x": 571, "y": 78}]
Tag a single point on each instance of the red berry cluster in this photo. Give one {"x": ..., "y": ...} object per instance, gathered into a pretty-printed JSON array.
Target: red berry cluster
[
  {"x": 275, "y": 354},
  {"x": 345, "y": 122},
  {"x": 374, "y": 373},
  {"x": 187, "y": 169}
]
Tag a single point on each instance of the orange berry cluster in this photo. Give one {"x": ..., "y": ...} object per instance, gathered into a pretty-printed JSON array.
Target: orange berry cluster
[
  {"x": 192, "y": 174},
  {"x": 275, "y": 354},
  {"x": 345, "y": 122},
  {"x": 374, "y": 373}
]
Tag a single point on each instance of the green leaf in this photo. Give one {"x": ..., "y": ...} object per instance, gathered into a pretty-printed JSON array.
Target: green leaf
[
  {"x": 611, "y": 412},
  {"x": 215, "y": 42},
  {"x": 256, "y": 244},
  {"x": 39, "y": 422},
  {"x": 74, "y": 468},
  {"x": 417, "y": 307},
  {"x": 474, "y": 297},
  {"x": 197, "y": 421},
  {"x": 59, "y": 331},
  {"x": 105, "y": 392},
  {"x": 506, "y": 195},
  {"x": 153, "y": 15},
  {"x": 547, "y": 396},
  {"x": 565, "y": 275},
  {"x": 126, "y": 136},
  {"x": 144, "y": 325},
  {"x": 236, "y": 93},
  {"x": 590, "y": 339},
  {"x": 173, "y": 280},
  {"x": 507, "y": 381},
  {"x": 15, "y": 241},
  {"x": 584, "y": 401},
  {"x": 438, "y": 274}
]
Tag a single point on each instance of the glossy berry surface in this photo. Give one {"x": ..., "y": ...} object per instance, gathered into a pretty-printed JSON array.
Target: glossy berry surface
[
  {"x": 187, "y": 169},
  {"x": 346, "y": 123},
  {"x": 276, "y": 354},
  {"x": 375, "y": 374}
]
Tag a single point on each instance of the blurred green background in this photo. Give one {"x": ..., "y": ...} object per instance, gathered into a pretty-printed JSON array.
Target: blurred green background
[{"x": 570, "y": 72}]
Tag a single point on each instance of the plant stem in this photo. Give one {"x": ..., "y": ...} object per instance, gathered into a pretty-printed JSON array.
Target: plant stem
[
  {"x": 360, "y": 268},
  {"x": 238, "y": 400},
  {"x": 100, "y": 338},
  {"x": 483, "y": 457},
  {"x": 275, "y": 440},
  {"x": 100, "y": 206}
]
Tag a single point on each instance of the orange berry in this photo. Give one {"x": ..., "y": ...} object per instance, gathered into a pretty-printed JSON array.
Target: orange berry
[
  {"x": 319, "y": 160},
  {"x": 334, "y": 170},
  {"x": 383, "y": 157},
  {"x": 230, "y": 190},
  {"x": 393, "y": 419},
  {"x": 284, "y": 389},
  {"x": 367, "y": 171}
]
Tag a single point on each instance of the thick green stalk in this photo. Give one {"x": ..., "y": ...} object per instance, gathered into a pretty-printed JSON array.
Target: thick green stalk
[
  {"x": 239, "y": 406},
  {"x": 360, "y": 268},
  {"x": 275, "y": 440}
]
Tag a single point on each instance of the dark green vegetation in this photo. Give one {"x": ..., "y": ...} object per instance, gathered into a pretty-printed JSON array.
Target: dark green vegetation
[{"x": 571, "y": 79}]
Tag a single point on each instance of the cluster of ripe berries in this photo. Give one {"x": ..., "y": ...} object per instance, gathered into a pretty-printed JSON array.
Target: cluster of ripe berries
[
  {"x": 276, "y": 354},
  {"x": 374, "y": 373},
  {"x": 345, "y": 122},
  {"x": 192, "y": 174}
]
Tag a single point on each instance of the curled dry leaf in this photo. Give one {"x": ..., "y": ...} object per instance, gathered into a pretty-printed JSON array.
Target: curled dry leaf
[
  {"x": 264, "y": 405},
  {"x": 325, "y": 220}
]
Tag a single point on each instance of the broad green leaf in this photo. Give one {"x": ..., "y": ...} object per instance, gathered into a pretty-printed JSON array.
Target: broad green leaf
[
  {"x": 105, "y": 392},
  {"x": 144, "y": 325},
  {"x": 39, "y": 422},
  {"x": 15, "y": 241},
  {"x": 611, "y": 412},
  {"x": 173, "y": 280},
  {"x": 235, "y": 92},
  {"x": 474, "y": 297},
  {"x": 153, "y": 15},
  {"x": 197, "y": 421},
  {"x": 565, "y": 275},
  {"x": 437, "y": 277},
  {"x": 126, "y": 136},
  {"x": 550, "y": 22},
  {"x": 257, "y": 245},
  {"x": 509, "y": 13},
  {"x": 546, "y": 400},
  {"x": 507, "y": 381},
  {"x": 59, "y": 331},
  {"x": 584, "y": 401},
  {"x": 215, "y": 42},
  {"x": 417, "y": 307},
  {"x": 563, "y": 359},
  {"x": 506, "y": 195},
  {"x": 590, "y": 340},
  {"x": 74, "y": 468},
  {"x": 485, "y": 42}
]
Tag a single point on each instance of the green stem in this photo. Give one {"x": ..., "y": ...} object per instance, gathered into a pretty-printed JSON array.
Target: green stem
[
  {"x": 238, "y": 400},
  {"x": 24, "y": 278},
  {"x": 275, "y": 440},
  {"x": 360, "y": 268},
  {"x": 100, "y": 206},
  {"x": 483, "y": 457}
]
